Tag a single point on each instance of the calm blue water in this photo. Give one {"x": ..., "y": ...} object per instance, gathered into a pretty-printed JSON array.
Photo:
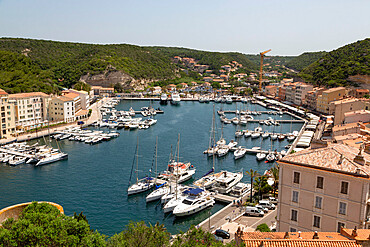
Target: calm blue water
[{"x": 94, "y": 179}]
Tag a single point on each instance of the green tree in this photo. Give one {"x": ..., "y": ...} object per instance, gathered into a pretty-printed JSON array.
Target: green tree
[
  {"x": 140, "y": 235},
  {"x": 252, "y": 173},
  {"x": 262, "y": 185},
  {"x": 118, "y": 87},
  {"x": 41, "y": 224},
  {"x": 263, "y": 228},
  {"x": 275, "y": 174}
]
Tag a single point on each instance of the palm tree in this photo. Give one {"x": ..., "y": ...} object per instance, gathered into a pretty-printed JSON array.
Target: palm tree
[
  {"x": 275, "y": 174},
  {"x": 252, "y": 173}
]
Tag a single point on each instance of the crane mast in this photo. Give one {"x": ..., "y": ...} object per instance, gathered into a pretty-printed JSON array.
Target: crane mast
[{"x": 261, "y": 68}]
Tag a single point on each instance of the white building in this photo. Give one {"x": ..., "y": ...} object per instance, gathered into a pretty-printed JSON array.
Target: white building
[{"x": 62, "y": 109}]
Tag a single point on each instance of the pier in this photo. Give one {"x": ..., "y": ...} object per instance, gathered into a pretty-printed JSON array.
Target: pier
[
  {"x": 3, "y": 150},
  {"x": 224, "y": 198}
]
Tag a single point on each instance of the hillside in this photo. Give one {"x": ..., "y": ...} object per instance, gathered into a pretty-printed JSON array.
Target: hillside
[
  {"x": 214, "y": 59},
  {"x": 305, "y": 59},
  {"x": 50, "y": 65},
  {"x": 337, "y": 66},
  {"x": 64, "y": 63}
]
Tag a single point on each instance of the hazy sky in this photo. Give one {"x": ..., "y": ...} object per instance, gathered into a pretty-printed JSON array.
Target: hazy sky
[{"x": 288, "y": 27}]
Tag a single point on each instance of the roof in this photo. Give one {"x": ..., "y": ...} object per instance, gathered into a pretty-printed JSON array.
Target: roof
[
  {"x": 27, "y": 95},
  {"x": 360, "y": 234},
  {"x": 346, "y": 126},
  {"x": 81, "y": 113},
  {"x": 63, "y": 98},
  {"x": 2, "y": 92},
  {"x": 71, "y": 95},
  {"x": 334, "y": 89},
  {"x": 335, "y": 157},
  {"x": 358, "y": 112},
  {"x": 297, "y": 239},
  {"x": 346, "y": 100},
  {"x": 362, "y": 90}
]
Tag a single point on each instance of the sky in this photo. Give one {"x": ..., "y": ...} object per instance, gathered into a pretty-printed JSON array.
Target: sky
[{"x": 288, "y": 27}]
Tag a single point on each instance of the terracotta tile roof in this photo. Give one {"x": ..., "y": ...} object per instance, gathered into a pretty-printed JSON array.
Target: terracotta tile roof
[
  {"x": 27, "y": 95},
  {"x": 362, "y": 234},
  {"x": 333, "y": 89},
  {"x": 81, "y": 113},
  {"x": 2, "y": 92},
  {"x": 65, "y": 99},
  {"x": 71, "y": 95},
  {"x": 301, "y": 243},
  {"x": 362, "y": 90},
  {"x": 335, "y": 157},
  {"x": 298, "y": 239}
]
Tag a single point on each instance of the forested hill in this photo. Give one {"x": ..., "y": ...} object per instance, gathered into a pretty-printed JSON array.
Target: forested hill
[
  {"x": 335, "y": 67},
  {"x": 214, "y": 59},
  {"x": 29, "y": 65},
  {"x": 63, "y": 63},
  {"x": 304, "y": 60}
]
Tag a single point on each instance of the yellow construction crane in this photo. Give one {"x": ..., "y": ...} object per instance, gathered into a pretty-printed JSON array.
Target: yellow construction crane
[{"x": 261, "y": 67}]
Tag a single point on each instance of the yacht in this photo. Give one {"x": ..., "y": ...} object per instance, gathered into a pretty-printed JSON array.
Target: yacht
[
  {"x": 256, "y": 135},
  {"x": 291, "y": 138},
  {"x": 247, "y": 133},
  {"x": 197, "y": 200},
  {"x": 175, "y": 99},
  {"x": 141, "y": 186},
  {"x": 17, "y": 161},
  {"x": 232, "y": 145},
  {"x": 51, "y": 157},
  {"x": 240, "y": 189},
  {"x": 260, "y": 156},
  {"x": 222, "y": 151},
  {"x": 265, "y": 135},
  {"x": 208, "y": 180},
  {"x": 270, "y": 157},
  {"x": 239, "y": 133},
  {"x": 158, "y": 193},
  {"x": 240, "y": 152},
  {"x": 178, "y": 171},
  {"x": 227, "y": 181},
  {"x": 163, "y": 100},
  {"x": 273, "y": 136},
  {"x": 229, "y": 100}
]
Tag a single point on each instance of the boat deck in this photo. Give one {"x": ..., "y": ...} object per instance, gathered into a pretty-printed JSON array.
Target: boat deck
[{"x": 3, "y": 150}]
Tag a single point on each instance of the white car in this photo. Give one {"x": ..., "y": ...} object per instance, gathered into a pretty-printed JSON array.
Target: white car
[
  {"x": 267, "y": 204},
  {"x": 265, "y": 210},
  {"x": 253, "y": 211}
]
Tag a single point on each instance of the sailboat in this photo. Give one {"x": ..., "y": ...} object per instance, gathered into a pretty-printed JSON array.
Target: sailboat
[
  {"x": 142, "y": 184},
  {"x": 281, "y": 136},
  {"x": 212, "y": 147},
  {"x": 260, "y": 156},
  {"x": 291, "y": 137}
]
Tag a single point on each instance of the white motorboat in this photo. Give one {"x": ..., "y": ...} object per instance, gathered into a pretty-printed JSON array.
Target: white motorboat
[
  {"x": 240, "y": 152},
  {"x": 273, "y": 137},
  {"x": 222, "y": 151},
  {"x": 247, "y": 133},
  {"x": 270, "y": 157},
  {"x": 256, "y": 135},
  {"x": 171, "y": 204},
  {"x": 265, "y": 135},
  {"x": 291, "y": 138},
  {"x": 232, "y": 145},
  {"x": 240, "y": 189},
  {"x": 281, "y": 137},
  {"x": 295, "y": 133},
  {"x": 211, "y": 151},
  {"x": 175, "y": 99},
  {"x": 197, "y": 200},
  {"x": 207, "y": 180},
  {"x": 221, "y": 142},
  {"x": 17, "y": 161},
  {"x": 258, "y": 129},
  {"x": 260, "y": 156},
  {"x": 227, "y": 180},
  {"x": 229, "y": 100},
  {"x": 239, "y": 133},
  {"x": 163, "y": 99}
]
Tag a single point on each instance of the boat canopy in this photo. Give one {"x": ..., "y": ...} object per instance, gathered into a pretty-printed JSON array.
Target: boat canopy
[
  {"x": 158, "y": 186},
  {"x": 194, "y": 192}
]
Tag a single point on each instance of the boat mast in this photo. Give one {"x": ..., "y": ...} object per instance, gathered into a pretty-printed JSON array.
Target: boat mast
[
  {"x": 137, "y": 159},
  {"x": 156, "y": 147},
  {"x": 177, "y": 165}
]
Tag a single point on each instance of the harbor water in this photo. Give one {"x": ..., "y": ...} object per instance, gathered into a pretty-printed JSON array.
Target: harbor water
[{"x": 95, "y": 178}]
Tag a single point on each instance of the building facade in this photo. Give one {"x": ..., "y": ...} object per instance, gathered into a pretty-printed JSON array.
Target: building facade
[
  {"x": 301, "y": 92},
  {"x": 328, "y": 96},
  {"x": 324, "y": 189},
  {"x": 30, "y": 109},
  {"x": 7, "y": 111},
  {"x": 62, "y": 109},
  {"x": 338, "y": 108}
]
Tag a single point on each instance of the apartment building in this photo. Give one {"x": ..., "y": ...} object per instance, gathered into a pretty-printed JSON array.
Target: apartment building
[
  {"x": 338, "y": 108},
  {"x": 311, "y": 98},
  {"x": 324, "y": 189},
  {"x": 7, "y": 126},
  {"x": 358, "y": 93},
  {"x": 102, "y": 91},
  {"x": 301, "y": 92},
  {"x": 271, "y": 90},
  {"x": 328, "y": 96},
  {"x": 62, "y": 109},
  {"x": 84, "y": 98},
  {"x": 290, "y": 92},
  {"x": 30, "y": 109},
  {"x": 281, "y": 92}
]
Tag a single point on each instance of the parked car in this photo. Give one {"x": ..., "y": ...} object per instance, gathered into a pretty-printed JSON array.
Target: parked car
[
  {"x": 273, "y": 200},
  {"x": 265, "y": 210},
  {"x": 222, "y": 233},
  {"x": 267, "y": 204},
  {"x": 253, "y": 211}
]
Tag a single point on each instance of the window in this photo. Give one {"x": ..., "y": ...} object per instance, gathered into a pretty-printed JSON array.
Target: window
[
  {"x": 296, "y": 177},
  {"x": 340, "y": 225},
  {"x": 293, "y": 230},
  {"x": 344, "y": 188},
  {"x": 294, "y": 215},
  {"x": 342, "y": 207},
  {"x": 318, "y": 202},
  {"x": 316, "y": 221},
  {"x": 295, "y": 196},
  {"x": 320, "y": 183}
]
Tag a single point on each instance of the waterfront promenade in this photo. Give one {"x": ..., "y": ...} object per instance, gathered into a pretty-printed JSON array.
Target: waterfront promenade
[{"x": 95, "y": 115}]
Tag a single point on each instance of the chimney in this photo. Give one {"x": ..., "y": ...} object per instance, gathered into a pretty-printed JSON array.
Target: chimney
[
  {"x": 354, "y": 232},
  {"x": 286, "y": 236},
  {"x": 359, "y": 159},
  {"x": 341, "y": 158},
  {"x": 315, "y": 235},
  {"x": 299, "y": 234}
]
